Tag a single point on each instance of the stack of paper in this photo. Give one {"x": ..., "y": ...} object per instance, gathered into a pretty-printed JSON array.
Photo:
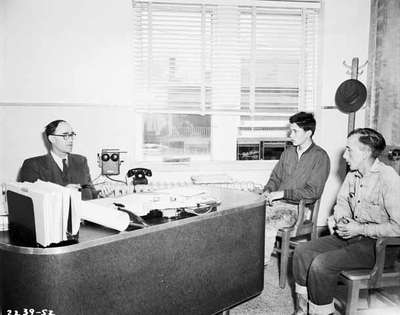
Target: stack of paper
[{"x": 52, "y": 204}]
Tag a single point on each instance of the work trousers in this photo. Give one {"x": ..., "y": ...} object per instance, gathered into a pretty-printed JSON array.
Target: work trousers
[{"x": 317, "y": 264}]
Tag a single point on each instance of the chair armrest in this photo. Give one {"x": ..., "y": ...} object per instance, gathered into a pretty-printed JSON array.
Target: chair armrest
[
  {"x": 389, "y": 240},
  {"x": 380, "y": 251},
  {"x": 300, "y": 217}
]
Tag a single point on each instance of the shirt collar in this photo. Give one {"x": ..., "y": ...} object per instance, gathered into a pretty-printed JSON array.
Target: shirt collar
[
  {"x": 306, "y": 150},
  {"x": 58, "y": 160},
  {"x": 374, "y": 169}
]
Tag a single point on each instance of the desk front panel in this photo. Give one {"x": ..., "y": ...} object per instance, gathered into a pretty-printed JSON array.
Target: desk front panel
[{"x": 199, "y": 265}]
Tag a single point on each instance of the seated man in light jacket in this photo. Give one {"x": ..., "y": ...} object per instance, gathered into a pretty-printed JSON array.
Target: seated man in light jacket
[{"x": 367, "y": 207}]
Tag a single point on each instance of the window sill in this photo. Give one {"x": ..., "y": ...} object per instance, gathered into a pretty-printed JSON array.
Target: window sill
[{"x": 210, "y": 166}]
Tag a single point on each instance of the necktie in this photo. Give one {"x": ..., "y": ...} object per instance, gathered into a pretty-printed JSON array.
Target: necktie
[{"x": 65, "y": 167}]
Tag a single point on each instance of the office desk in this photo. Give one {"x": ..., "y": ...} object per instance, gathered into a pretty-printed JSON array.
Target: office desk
[{"x": 198, "y": 265}]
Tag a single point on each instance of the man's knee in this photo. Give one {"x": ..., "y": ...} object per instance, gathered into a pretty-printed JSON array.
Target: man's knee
[
  {"x": 302, "y": 249},
  {"x": 302, "y": 246},
  {"x": 321, "y": 264}
]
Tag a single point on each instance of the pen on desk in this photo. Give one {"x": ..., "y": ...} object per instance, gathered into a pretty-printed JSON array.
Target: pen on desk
[
  {"x": 137, "y": 225},
  {"x": 133, "y": 216}
]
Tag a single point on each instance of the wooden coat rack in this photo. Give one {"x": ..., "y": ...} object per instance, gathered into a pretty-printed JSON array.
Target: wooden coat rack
[{"x": 354, "y": 75}]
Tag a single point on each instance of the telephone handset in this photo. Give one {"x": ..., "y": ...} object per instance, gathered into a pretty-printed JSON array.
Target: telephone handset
[
  {"x": 139, "y": 175},
  {"x": 139, "y": 172}
]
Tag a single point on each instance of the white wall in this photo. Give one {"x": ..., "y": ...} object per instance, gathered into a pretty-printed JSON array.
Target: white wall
[
  {"x": 68, "y": 51},
  {"x": 2, "y": 43},
  {"x": 95, "y": 128},
  {"x": 345, "y": 29},
  {"x": 72, "y": 59}
]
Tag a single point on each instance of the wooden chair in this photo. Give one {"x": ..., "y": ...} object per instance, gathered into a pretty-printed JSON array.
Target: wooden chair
[
  {"x": 383, "y": 274},
  {"x": 288, "y": 237}
]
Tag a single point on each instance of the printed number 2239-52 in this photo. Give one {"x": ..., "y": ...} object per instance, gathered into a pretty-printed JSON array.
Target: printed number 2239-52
[{"x": 31, "y": 311}]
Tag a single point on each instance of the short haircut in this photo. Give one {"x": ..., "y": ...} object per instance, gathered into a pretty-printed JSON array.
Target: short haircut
[
  {"x": 371, "y": 138},
  {"x": 51, "y": 127},
  {"x": 305, "y": 121}
]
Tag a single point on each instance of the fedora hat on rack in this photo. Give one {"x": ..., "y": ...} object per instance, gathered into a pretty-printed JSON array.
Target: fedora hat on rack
[{"x": 350, "y": 96}]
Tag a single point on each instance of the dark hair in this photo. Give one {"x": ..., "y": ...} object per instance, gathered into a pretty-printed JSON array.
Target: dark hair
[
  {"x": 305, "y": 121},
  {"x": 371, "y": 138},
  {"x": 51, "y": 127}
]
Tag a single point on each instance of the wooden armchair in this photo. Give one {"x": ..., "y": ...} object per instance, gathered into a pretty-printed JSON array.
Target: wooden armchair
[
  {"x": 288, "y": 237},
  {"x": 383, "y": 274}
]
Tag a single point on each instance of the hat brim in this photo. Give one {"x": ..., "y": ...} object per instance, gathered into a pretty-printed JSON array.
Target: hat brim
[{"x": 350, "y": 96}]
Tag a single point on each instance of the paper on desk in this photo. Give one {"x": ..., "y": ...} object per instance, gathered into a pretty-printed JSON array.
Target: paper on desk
[
  {"x": 183, "y": 191},
  {"x": 136, "y": 203},
  {"x": 51, "y": 206},
  {"x": 103, "y": 215},
  {"x": 67, "y": 198},
  {"x": 42, "y": 230},
  {"x": 141, "y": 203}
]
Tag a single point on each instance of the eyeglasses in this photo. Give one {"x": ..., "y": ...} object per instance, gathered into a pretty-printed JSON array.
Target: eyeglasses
[{"x": 66, "y": 136}]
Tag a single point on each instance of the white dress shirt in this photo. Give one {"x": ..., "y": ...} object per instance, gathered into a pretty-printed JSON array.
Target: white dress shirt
[{"x": 58, "y": 160}]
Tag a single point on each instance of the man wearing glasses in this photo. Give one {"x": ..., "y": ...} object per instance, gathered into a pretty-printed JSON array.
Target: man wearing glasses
[{"x": 60, "y": 166}]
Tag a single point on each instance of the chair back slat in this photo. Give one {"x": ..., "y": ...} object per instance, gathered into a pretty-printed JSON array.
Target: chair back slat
[{"x": 307, "y": 222}]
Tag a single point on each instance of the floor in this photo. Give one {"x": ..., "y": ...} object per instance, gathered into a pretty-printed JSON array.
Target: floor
[
  {"x": 273, "y": 300},
  {"x": 276, "y": 301}
]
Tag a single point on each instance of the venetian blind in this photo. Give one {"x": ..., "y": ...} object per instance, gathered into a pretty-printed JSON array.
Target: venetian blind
[
  {"x": 224, "y": 56},
  {"x": 279, "y": 70},
  {"x": 172, "y": 56}
]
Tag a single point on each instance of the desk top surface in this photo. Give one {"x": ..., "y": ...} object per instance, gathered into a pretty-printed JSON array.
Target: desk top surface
[{"x": 92, "y": 234}]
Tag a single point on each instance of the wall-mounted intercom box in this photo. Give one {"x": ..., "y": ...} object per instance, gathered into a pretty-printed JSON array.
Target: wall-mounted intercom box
[{"x": 110, "y": 161}]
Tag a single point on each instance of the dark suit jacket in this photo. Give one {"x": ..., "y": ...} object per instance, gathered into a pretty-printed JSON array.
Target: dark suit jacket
[{"x": 46, "y": 169}]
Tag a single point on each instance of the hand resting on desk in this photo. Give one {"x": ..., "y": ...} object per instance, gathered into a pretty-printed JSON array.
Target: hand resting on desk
[
  {"x": 270, "y": 197},
  {"x": 104, "y": 190}
]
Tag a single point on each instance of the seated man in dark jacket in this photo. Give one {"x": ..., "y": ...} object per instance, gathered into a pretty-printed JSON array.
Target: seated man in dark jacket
[
  {"x": 300, "y": 173},
  {"x": 60, "y": 166}
]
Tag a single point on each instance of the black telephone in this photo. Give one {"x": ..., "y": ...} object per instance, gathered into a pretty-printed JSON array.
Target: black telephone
[{"x": 139, "y": 175}]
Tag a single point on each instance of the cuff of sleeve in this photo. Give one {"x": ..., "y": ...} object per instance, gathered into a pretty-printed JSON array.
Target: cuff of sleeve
[
  {"x": 365, "y": 229},
  {"x": 300, "y": 289},
  {"x": 321, "y": 309}
]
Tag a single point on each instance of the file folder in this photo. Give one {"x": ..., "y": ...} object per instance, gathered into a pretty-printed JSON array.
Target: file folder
[
  {"x": 22, "y": 223},
  {"x": 21, "y": 219}
]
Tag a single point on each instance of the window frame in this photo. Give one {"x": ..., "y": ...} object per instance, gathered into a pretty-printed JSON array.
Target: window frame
[{"x": 312, "y": 4}]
